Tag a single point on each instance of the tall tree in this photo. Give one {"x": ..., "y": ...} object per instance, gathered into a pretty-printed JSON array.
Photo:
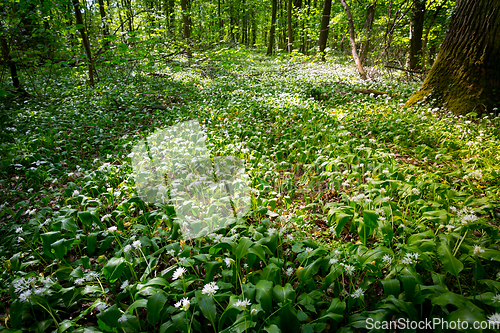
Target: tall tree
[
  {"x": 290, "y": 31},
  {"x": 186, "y": 27},
  {"x": 416, "y": 31},
  {"x": 367, "y": 29},
  {"x": 85, "y": 40},
  {"x": 352, "y": 41},
  {"x": 323, "y": 33},
  {"x": 466, "y": 73},
  {"x": 8, "y": 58},
  {"x": 270, "y": 45}
]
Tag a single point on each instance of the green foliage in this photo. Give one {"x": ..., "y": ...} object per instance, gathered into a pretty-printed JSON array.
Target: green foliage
[{"x": 361, "y": 208}]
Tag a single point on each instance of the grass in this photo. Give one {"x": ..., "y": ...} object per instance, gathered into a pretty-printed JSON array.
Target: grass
[{"x": 362, "y": 210}]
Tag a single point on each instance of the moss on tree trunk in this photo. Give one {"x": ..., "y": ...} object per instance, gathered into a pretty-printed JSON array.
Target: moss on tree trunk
[{"x": 466, "y": 74}]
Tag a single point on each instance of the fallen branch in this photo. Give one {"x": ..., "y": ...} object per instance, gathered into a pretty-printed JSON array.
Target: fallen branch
[{"x": 406, "y": 70}]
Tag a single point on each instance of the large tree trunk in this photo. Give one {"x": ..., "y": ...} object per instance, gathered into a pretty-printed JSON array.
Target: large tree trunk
[
  {"x": 270, "y": 46},
  {"x": 85, "y": 40},
  {"x": 352, "y": 41},
  {"x": 367, "y": 29},
  {"x": 416, "y": 31},
  {"x": 323, "y": 33},
  {"x": 466, "y": 74},
  {"x": 186, "y": 26}
]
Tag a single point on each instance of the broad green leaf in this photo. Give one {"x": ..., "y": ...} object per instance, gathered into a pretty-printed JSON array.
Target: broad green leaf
[
  {"x": 283, "y": 294},
  {"x": 114, "y": 269},
  {"x": 207, "y": 307},
  {"x": 155, "y": 306},
  {"x": 242, "y": 248},
  {"x": 450, "y": 263},
  {"x": 264, "y": 295}
]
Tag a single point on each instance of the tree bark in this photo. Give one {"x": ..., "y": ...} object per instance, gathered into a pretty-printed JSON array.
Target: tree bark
[
  {"x": 352, "y": 41},
  {"x": 270, "y": 45},
  {"x": 290, "y": 31},
  {"x": 11, "y": 63},
  {"x": 367, "y": 29},
  {"x": 416, "y": 32},
  {"x": 424, "y": 43},
  {"x": 323, "y": 33},
  {"x": 466, "y": 74},
  {"x": 85, "y": 40},
  {"x": 104, "y": 24},
  {"x": 186, "y": 27}
]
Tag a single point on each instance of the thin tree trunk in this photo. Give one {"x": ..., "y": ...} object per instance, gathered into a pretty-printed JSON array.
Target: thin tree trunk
[
  {"x": 424, "y": 43},
  {"x": 270, "y": 45},
  {"x": 85, "y": 40},
  {"x": 416, "y": 30},
  {"x": 352, "y": 41},
  {"x": 466, "y": 73},
  {"x": 367, "y": 29},
  {"x": 104, "y": 24},
  {"x": 11, "y": 63},
  {"x": 290, "y": 31},
  {"x": 323, "y": 33}
]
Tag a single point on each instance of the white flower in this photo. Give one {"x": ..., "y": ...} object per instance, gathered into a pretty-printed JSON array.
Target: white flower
[
  {"x": 210, "y": 289},
  {"x": 80, "y": 281},
  {"x": 496, "y": 298},
  {"x": 20, "y": 239},
  {"x": 349, "y": 269},
  {"x": 228, "y": 262},
  {"x": 183, "y": 304},
  {"x": 333, "y": 261},
  {"x": 477, "y": 250},
  {"x": 75, "y": 193},
  {"x": 242, "y": 304},
  {"x": 25, "y": 296},
  {"x": 289, "y": 271},
  {"x": 91, "y": 276},
  {"x": 466, "y": 216},
  {"x": 125, "y": 285},
  {"x": 410, "y": 258},
  {"x": 309, "y": 249},
  {"x": 112, "y": 229},
  {"x": 137, "y": 244},
  {"x": 101, "y": 307},
  {"x": 385, "y": 172},
  {"x": 386, "y": 259},
  {"x": 271, "y": 231},
  {"x": 253, "y": 312},
  {"x": 171, "y": 252},
  {"x": 358, "y": 293},
  {"x": 31, "y": 211},
  {"x": 415, "y": 191},
  {"x": 178, "y": 273},
  {"x": 105, "y": 217},
  {"x": 19, "y": 230},
  {"x": 494, "y": 319},
  {"x": 127, "y": 248}
]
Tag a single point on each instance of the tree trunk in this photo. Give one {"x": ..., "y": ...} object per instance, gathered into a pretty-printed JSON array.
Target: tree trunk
[
  {"x": 352, "y": 41},
  {"x": 323, "y": 33},
  {"x": 103, "y": 18},
  {"x": 185, "y": 26},
  {"x": 466, "y": 74},
  {"x": 424, "y": 43},
  {"x": 416, "y": 31},
  {"x": 219, "y": 16},
  {"x": 290, "y": 31},
  {"x": 367, "y": 29},
  {"x": 270, "y": 45},
  {"x": 11, "y": 63},
  {"x": 85, "y": 40}
]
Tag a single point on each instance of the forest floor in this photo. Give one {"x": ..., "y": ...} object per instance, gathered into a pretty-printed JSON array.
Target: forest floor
[{"x": 361, "y": 208}]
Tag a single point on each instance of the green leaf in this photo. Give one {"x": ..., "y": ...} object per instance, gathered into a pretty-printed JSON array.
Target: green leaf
[
  {"x": 69, "y": 224},
  {"x": 282, "y": 294},
  {"x": 110, "y": 316},
  {"x": 450, "y": 263},
  {"x": 391, "y": 287},
  {"x": 264, "y": 295},
  {"x": 155, "y": 306},
  {"x": 273, "y": 328},
  {"x": 242, "y": 248},
  {"x": 114, "y": 269},
  {"x": 91, "y": 243},
  {"x": 207, "y": 307},
  {"x": 60, "y": 248},
  {"x": 140, "y": 303}
]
